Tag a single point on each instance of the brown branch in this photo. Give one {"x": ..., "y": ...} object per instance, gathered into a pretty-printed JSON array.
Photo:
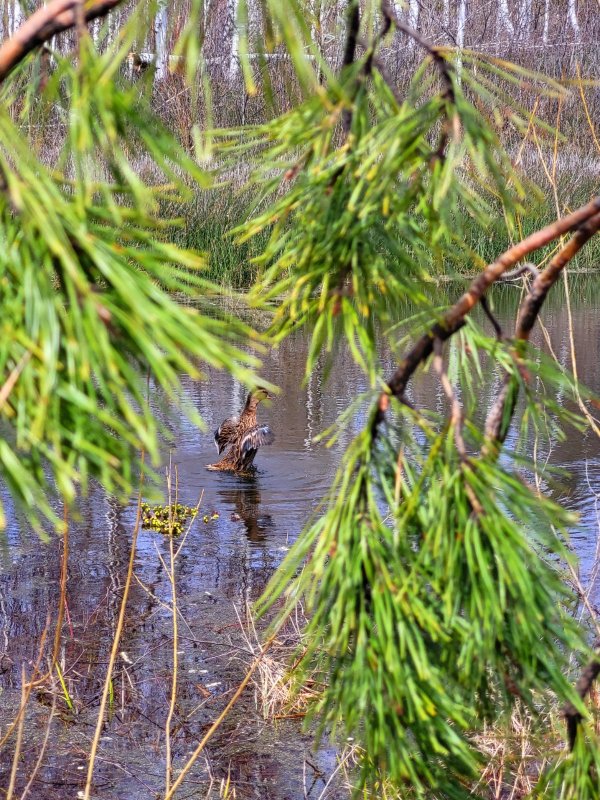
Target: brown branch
[
  {"x": 497, "y": 423},
  {"x": 454, "y": 319},
  {"x": 350, "y": 52},
  {"x": 451, "y": 124},
  {"x": 436, "y": 53},
  {"x": 519, "y": 271},
  {"x": 46, "y": 22},
  {"x": 456, "y": 415},
  {"x": 488, "y": 312},
  {"x": 572, "y": 716}
]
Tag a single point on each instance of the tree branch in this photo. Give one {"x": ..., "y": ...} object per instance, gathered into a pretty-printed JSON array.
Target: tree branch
[
  {"x": 451, "y": 125},
  {"x": 454, "y": 319},
  {"x": 436, "y": 53},
  {"x": 46, "y": 22},
  {"x": 350, "y": 51},
  {"x": 499, "y": 416}
]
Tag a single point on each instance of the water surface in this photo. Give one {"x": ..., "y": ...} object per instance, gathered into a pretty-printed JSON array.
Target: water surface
[{"x": 223, "y": 566}]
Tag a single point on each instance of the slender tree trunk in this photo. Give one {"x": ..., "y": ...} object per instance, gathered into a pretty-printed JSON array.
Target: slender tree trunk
[
  {"x": 234, "y": 60},
  {"x": 461, "y": 21},
  {"x": 525, "y": 19},
  {"x": 504, "y": 20},
  {"x": 13, "y": 18},
  {"x": 546, "y": 21},
  {"x": 413, "y": 13},
  {"x": 572, "y": 14},
  {"x": 161, "y": 50}
]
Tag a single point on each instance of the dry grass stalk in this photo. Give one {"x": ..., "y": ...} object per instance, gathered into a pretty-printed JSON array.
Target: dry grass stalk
[{"x": 114, "y": 649}]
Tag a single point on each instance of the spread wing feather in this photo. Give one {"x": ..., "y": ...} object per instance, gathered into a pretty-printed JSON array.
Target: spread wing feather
[
  {"x": 255, "y": 437},
  {"x": 225, "y": 433}
]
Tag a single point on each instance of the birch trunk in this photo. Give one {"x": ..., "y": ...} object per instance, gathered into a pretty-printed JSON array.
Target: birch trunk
[
  {"x": 12, "y": 19},
  {"x": 546, "y": 21},
  {"x": 446, "y": 14},
  {"x": 161, "y": 51},
  {"x": 572, "y": 14},
  {"x": 234, "y": 53},
  {"x": 504, "y": 20},
  {"x": 461, "y": 21},
  {"x": 525, "y": 19}
]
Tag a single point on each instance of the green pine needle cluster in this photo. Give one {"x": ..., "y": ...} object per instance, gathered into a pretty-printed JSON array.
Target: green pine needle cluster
[
  {"x": 433, "y": 580},
  {"x": 91, "y": 324}
]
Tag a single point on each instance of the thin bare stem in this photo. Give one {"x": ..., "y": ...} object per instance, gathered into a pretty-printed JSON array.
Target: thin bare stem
[
  {"x": 173, "y": 700},
  {"x": 19, "y": 741},
  {"x": 35, "y": 681},
  {"x": 38, "y": 763},
  {"x": 115, "y": 644},
  {"x": 217, "y": 723},
  {"x": 64, "y": 566},
  {"x": 456, "y": 415}
]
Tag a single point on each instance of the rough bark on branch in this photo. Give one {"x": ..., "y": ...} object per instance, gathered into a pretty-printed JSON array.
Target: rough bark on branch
[
  {"x": 496, "y": 426},
  {"x": 455, "y": 317},
  {"x": 46, "y": 22}
]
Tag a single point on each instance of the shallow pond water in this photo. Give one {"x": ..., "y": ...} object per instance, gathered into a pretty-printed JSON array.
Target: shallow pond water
[{"x": 223, "y": 566}]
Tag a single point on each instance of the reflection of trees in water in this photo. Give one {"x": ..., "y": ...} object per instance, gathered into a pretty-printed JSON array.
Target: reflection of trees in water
[{"x": 246, "y": 504}]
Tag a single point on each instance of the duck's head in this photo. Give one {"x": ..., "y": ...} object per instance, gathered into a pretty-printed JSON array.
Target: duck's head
[{"x": 256, "y": 396}]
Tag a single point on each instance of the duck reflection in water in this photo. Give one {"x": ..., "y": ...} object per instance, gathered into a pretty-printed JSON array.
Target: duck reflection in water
[{"x": 245, "y": 501}]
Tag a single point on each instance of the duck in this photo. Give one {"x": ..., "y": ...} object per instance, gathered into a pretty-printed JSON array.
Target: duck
[{"x": 241, "y": 436}]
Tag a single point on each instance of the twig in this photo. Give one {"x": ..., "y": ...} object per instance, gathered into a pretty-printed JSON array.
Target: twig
[
  {"x": 488, "y": 312},
  {"x": 46, "y": 22},
  {"x": 350, "y": 52},
  {"x": 217, "y": 723},
  {"x": 115, "y": 645},
  {"x": 173, "y": 699},
  {"x": 19, "y": 742},
  {"x": 451, "y": 125},
  {"x": 520, "y": 270},
  {"x": 62, "y": 603},
  {"x": 80, "y": 25},
  {"x": 456, "y": 415}
]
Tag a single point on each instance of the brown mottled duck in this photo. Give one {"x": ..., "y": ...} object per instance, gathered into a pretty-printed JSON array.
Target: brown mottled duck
[{"x": 241, "y": 436}]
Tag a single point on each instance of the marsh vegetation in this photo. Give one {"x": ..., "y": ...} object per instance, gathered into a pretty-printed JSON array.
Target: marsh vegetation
[{"x": 401, "y": 601}]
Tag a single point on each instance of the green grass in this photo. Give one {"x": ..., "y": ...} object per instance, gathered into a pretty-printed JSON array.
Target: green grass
[
  {"x": 573, "y": 192},
  {"x": 208, "y": 221}
]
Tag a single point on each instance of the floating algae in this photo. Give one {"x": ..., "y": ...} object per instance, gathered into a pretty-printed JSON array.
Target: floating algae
[{"x": 168, "y": 519}]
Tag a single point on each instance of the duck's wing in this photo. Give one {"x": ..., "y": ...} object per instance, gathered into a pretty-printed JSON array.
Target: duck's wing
[
  {"x": 255, "y": 438},
  {"x": 225, "y": 433}
]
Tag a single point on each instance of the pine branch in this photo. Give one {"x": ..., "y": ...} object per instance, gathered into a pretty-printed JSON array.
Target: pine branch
[
  {"x": 46, "y": 22},
  {"x": 454, "y": 319},
  {"x": 500, "y": 414},
  {"x": 451, "y": 123},
  {"x": 350, "y": 51}
]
